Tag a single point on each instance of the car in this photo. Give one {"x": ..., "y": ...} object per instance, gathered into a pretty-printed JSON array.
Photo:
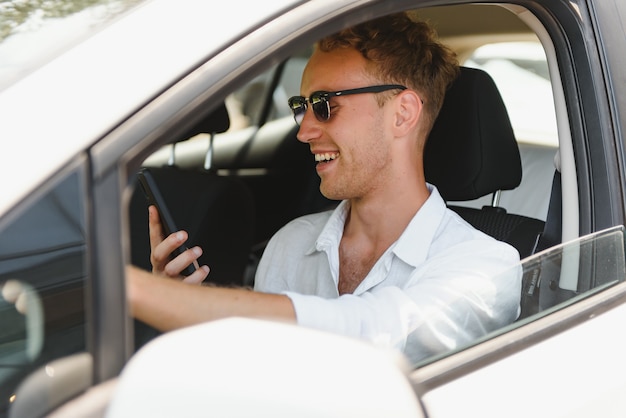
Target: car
[{"x": 194, "y": 90}]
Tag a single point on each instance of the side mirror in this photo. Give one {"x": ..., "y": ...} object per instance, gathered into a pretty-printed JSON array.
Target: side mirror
[{"x": 244, "y": 367}]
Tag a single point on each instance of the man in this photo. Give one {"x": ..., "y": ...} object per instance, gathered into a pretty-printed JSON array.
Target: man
[{"x": 391, "y": 264}]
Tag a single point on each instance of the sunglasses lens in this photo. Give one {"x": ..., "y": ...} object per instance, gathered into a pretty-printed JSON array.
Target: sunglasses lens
[
  {"x": 319, "y": 103},
  {"x": 298, "y": 106},
  {"x": 321, "y": 110}
]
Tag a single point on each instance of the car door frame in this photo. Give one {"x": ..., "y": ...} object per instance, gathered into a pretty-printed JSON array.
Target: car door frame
[{"x": 121, "y": 152}]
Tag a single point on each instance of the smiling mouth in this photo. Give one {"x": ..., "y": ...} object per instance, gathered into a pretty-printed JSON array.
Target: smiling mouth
[{"x": 326, "y": 157}]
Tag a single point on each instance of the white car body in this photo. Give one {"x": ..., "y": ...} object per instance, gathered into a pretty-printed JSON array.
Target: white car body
[{"x": 105, "y": 104}]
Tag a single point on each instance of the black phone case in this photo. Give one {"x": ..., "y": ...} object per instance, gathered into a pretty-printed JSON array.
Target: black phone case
[{"x": 154, "y": 197}]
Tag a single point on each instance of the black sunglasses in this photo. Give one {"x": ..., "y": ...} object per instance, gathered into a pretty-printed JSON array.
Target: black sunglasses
[{"x": 319, "y": 100}]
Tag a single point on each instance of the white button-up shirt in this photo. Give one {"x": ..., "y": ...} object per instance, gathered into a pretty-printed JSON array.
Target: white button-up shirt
[{"x": 441, "y": 285}]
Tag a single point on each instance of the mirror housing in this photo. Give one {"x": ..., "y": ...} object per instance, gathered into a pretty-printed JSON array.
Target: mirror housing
[{"x": 245, "y": 367}]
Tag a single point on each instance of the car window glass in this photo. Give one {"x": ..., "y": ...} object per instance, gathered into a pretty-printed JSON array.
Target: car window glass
[
  {"x": 42, "y": 282},
  {"x": 563, "y": 275},
  {"x": 520, "y": 71},
  {"x": 560, "y": 275},
  {"x": 245, "y": 105}
]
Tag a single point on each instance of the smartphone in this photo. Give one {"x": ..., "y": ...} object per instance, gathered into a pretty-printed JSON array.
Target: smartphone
[{"x": 154, "y": 197}]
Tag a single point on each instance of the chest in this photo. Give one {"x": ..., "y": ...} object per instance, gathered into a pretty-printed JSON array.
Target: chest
[{"x": 354, "y": 266}]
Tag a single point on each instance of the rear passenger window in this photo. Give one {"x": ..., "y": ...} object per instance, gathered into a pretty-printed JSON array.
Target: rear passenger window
[
  {"x": 520, "y": 70},
  {"x": 247, "y": 105},
  {"x": 42, "y": 284}
]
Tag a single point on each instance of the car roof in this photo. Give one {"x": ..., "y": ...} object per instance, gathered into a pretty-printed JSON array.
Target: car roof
[{"x": 54, "y": 113}]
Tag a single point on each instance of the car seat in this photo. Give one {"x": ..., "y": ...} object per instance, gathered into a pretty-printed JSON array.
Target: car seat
[{"x": 472, "y": 152}]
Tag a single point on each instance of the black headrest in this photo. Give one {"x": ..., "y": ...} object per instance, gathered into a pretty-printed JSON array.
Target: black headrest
[
  {"x": 471, "y": 151},
  {"x": 215, "y": 122}
]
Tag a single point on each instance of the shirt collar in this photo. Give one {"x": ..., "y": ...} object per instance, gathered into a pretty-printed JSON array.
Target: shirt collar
[
  {"x": 333, "y": 230},
  {"x": 412, "y": 246}
]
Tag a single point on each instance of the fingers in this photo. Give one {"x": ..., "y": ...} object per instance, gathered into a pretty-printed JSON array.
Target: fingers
[
  {"x": 174, "y": 267},
  {"x": 156, "y": 230},
  {"x": 163, "y": 247},
  {"x": 160, "y": 253},
  {"x": 197, "y": 276}
]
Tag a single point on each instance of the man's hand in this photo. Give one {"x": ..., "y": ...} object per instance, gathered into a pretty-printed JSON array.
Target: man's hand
[{"x": 161, "y": 247}]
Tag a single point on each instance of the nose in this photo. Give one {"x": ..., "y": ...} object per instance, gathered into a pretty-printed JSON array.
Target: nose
[{"x": 309, "y": 127}]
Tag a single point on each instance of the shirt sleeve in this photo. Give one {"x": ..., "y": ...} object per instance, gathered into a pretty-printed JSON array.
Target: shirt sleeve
[{"x": 462, "y": 296}]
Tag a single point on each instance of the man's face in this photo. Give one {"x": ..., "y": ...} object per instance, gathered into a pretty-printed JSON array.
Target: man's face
[{"x": 353, "y": 147}]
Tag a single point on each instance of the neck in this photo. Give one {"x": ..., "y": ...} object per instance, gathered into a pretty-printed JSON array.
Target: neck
[{"x": 381, "y": 219}]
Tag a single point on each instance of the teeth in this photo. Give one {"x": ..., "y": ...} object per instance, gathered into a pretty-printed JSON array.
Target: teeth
[{"x": 326, "y": 156}]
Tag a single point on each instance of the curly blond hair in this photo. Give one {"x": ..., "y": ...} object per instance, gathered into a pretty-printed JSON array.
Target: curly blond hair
[{"x": 401, "y": 50}]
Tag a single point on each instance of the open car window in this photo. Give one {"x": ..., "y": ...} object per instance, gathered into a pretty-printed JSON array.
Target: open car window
[{"x": 261, "y": 149}]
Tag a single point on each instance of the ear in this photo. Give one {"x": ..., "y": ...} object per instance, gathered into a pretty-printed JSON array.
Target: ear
[{"x": 407, "y": 112}]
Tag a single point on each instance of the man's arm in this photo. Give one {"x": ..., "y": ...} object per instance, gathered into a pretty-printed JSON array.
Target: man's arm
[
  {"x": 470, "y": 289},
  {"x": 168, "y": 304}
]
